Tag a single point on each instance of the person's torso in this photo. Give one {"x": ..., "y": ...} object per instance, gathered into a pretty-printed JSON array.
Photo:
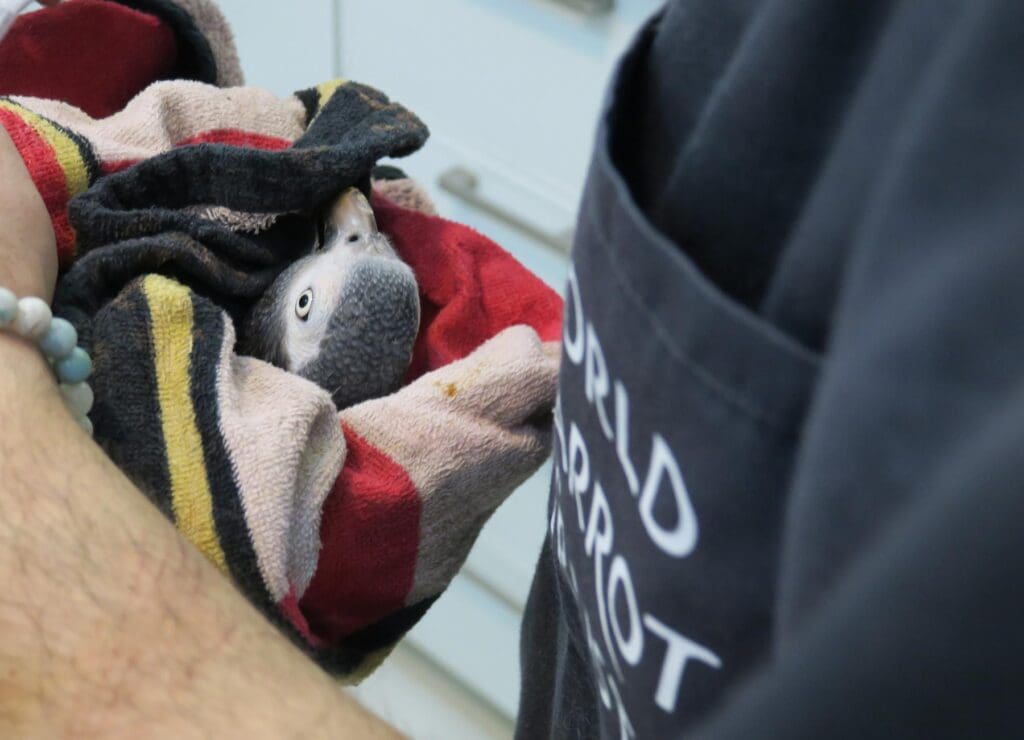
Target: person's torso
[{"x": 703, "y": 278}]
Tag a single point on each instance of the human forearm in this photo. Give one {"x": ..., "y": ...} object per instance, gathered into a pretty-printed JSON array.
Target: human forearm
[
  {"x": 110, "y": 622},
  {"x": 28, "y": 251}
]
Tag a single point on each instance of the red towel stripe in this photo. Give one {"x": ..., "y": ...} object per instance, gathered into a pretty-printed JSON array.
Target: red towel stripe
[
  {"x": 370, "y": 536},
  {"x": 109, "y": 168},
  {"x": 229, "y": 136},
  {"x": 290, "y": 610},
  {"x": 238, "y": 137},
  {"x": 48, "y": 175},
  {"x": 470, "y": 288}
]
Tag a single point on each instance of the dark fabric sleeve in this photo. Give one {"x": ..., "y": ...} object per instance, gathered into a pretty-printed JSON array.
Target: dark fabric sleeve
[
  {"x": 924, "y": 639},
  {"x": 901, "y": 600}
]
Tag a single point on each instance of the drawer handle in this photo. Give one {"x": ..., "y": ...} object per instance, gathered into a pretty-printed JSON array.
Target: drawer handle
[
  {"x": 465, "y": 186},
  {"x": 588, "y": 7}
]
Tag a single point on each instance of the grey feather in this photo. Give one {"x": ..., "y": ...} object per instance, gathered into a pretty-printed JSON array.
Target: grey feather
[{"x": 362, "y": 311}]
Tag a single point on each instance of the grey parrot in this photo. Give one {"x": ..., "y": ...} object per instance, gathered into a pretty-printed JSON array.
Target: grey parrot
[{"x": 344, "y": 316}]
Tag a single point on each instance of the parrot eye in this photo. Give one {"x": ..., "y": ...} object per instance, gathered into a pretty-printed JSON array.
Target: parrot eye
[{"x": 304, "y": 304}]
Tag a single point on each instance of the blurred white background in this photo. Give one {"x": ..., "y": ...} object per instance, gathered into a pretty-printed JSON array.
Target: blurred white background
[{"x": 510, "y": 90}]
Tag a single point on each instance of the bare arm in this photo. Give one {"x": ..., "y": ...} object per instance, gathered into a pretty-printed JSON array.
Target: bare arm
[{"x": 110, "y": 623}]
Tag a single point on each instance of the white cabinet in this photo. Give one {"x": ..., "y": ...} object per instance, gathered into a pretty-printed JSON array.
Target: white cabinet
[
  {"x": 515, "y": 84},
  {"x": 284, "y": 46}
]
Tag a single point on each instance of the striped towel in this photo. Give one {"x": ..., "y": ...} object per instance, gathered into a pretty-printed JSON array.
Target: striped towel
[{"x": 173, "y": 215}]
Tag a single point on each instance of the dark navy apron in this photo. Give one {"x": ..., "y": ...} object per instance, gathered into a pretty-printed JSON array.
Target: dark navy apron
[{"x": 676, "y": 427}]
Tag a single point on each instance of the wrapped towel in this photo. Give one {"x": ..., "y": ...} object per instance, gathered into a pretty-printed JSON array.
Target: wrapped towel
[{"x": 173, "y": 215}]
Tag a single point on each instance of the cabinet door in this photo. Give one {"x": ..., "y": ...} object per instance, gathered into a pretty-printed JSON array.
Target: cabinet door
[
  {"x": 517, "y": 83},
  {"x": 284, "y": 47}
]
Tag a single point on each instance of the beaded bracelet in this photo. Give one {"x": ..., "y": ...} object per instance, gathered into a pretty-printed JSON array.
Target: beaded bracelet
[{"x": 57, "y": 338}]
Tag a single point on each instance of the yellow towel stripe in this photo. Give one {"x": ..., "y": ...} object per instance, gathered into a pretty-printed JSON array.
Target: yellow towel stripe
[
  {"x": 170, "y": 308},
  {"x": 325, "y": 91},
  {"x": 69, "y": 156},
  {"x": 370, "y": 663}
]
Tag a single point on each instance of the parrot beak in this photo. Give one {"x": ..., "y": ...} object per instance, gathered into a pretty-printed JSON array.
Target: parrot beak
[{"x": 351, "y": 219}]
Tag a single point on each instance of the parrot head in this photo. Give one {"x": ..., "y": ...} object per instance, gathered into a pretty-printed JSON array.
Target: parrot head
[{"x": 344, "y": 316}]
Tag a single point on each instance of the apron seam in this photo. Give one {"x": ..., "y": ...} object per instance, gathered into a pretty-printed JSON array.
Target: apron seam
[{"x": 725, "y": 393}]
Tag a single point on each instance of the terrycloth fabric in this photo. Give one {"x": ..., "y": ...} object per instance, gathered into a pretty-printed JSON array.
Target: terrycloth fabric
[
  {"x": 206, "y": 45},
  {"x": 161, "y": 256},
  {"x": 66, "y": 50},
  {"x": 444, "y": 451},
  {"x": 238, "y": 453},
  {"x": 66, "y": 150}
]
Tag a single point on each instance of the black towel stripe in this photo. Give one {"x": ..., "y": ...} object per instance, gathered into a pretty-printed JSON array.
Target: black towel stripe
[
  {"x": 228, "y": 514},
  {"x": 126, "y": 413}
]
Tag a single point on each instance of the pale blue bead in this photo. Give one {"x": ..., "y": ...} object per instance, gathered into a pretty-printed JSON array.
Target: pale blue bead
[
  {"x": 8, "y": 307},
  {"x": 33, "y": 319},
  {"x": 60, "y": 340},
  {"x": 75, "y": 367},
  {"x": 83, "y": 421},
  {"x": 78, "y": 397}
]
